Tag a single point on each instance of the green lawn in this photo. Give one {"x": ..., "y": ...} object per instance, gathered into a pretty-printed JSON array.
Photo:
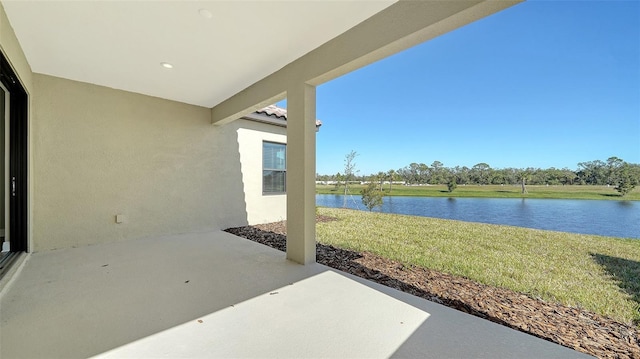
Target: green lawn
[
  {"x": 496, "y": 191},
  {"x": 600, "y": 274}
]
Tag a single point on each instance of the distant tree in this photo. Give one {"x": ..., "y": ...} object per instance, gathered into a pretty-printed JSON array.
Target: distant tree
[
  {"x": 481, "y": 173},
  {"x": 452, "y": 185},
  {"x": 423, "y": 173},
  {"x": 338, "y": 178},
  {"x": 539, "y": 176},
  {"x": 523, "y": 178},
  {"x": 592, "y": 172},
  {"x": 403, "y": 174},
  {"x": 626, "y": 181},
  {"x": 349, "y": 173},
  {"x": 391, "y": 175},
  {"x": 380, "y": 177},
  {"x": 462, "y": 174},
  {"x": 553, "y": 176},
  {"x": 613, "y": 168},
  {"x": 634, "y": 168},
  {"x": 568, "y": 177},
  {"x": 524, "y": 175},
  {"x": 411, "y": 173},
  {"x": 371, "y": 196},
  {"x": 437, "y": 173},
  {"x": 498, "y": 176}
]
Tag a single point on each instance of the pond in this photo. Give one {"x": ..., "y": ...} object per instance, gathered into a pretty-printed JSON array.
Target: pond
[{"x": 605, "y": 218}]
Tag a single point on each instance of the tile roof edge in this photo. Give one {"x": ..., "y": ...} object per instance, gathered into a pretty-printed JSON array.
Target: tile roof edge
[{"x": 274, "y": 112}]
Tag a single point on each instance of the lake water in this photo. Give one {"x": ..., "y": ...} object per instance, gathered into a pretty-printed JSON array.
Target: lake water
[{"x": 605, "y": 218}]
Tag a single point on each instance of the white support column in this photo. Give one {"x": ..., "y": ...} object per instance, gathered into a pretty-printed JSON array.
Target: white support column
[{"x": 301, "y": 173}]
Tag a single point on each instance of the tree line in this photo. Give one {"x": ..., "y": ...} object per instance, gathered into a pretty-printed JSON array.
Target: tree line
[{"x": 614, "y": 172}]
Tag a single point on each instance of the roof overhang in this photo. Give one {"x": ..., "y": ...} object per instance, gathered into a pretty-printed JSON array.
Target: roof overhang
[
  {"x": 396, "y": 28},
  {"x": 232, "y": 56},
  {"x": 273, "y": 115},
  {"x": 265, "y": 119},
  {"x": 217, "y": 48}
]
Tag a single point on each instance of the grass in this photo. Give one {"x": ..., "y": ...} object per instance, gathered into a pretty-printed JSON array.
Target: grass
[
  {"x": 600, "y": 274},
  {"x": 496, "y": 191}
]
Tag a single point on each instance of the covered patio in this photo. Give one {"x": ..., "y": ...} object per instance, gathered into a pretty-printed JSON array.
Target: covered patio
[
  {"x": 213, "y": 294},
  {"x": 125, "y": 169}
]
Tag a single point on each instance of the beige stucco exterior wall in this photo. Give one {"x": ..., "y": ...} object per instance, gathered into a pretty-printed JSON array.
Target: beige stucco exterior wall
[
  {"x": 100, "y": 152},
  {"x": 97, "y": 152},
  {"x": 260, "y": 208},
  {"x": 12, "y": 50}
]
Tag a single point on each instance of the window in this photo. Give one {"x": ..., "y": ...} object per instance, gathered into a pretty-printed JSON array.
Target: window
[{"x": 274, "y": 167}]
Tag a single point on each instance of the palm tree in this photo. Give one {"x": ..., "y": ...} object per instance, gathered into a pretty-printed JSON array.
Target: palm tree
[
  {"x": 380, "y": 176},
  {"x": 523, "y": 177},
  {"x": 392, "y": 176}
]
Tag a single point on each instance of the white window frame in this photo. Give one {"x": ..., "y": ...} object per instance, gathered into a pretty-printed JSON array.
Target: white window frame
[{"x": 264, "y": 169}]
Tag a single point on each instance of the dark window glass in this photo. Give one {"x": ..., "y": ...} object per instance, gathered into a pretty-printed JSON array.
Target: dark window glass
[{"x": 274, "y": 167}]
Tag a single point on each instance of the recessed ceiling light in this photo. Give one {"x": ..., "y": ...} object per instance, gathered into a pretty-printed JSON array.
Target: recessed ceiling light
[
  {"x": 205, "y": 13},
  {"x": 166, "y": 65}
]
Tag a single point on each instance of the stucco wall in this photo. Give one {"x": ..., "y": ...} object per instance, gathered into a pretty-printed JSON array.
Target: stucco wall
[
  {"x": 12, "y": 50},
  {"x": 99, "y": 152},
  {"x": 96, "y": 152},
  {"x": 260, "y": 208}
]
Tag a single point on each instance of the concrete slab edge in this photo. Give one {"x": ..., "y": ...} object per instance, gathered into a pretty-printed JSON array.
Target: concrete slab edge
[{"x": 7, "y": 280}]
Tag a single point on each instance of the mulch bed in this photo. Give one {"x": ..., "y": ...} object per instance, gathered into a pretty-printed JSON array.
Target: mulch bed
[{"x": 575, "y": 328}]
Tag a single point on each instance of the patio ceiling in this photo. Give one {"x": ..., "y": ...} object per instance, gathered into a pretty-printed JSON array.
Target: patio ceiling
[{"x": 217, "y": 48}]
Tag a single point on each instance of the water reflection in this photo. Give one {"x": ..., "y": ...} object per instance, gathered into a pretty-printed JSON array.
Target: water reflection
[{"x": 625, "y": 203}]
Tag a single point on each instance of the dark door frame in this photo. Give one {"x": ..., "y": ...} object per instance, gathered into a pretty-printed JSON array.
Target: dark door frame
[{"x": 18, "y": 157}]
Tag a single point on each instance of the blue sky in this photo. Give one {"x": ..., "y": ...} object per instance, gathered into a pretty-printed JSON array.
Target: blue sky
[{"x": 541, "y": 84}]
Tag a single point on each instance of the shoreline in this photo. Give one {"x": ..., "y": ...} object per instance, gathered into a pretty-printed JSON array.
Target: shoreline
[{"x": 581, "y": 192}]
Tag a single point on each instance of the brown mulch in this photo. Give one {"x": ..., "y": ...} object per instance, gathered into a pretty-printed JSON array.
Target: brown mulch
[{"x": 575, "y": 328}]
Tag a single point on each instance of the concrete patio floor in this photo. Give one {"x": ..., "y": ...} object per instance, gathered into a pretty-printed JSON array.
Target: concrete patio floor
[{"x": 213, "y": 295}]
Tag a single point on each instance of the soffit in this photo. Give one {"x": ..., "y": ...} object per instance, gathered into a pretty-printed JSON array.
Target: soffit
[{"x": 120, "y": 44}]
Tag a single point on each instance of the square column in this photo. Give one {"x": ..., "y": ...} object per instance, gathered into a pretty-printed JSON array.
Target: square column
[{"x": 301, "y": 173}]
